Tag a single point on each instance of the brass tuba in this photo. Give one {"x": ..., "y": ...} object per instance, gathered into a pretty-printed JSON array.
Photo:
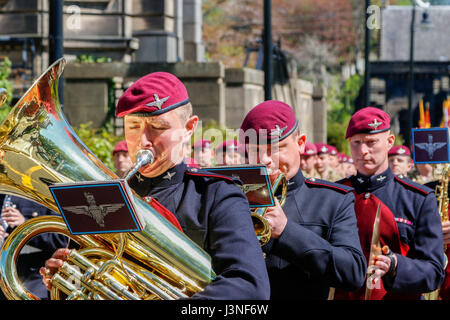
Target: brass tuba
[
  {"x": 260, "y": 224},
  {"x": 39, "y": 148}
]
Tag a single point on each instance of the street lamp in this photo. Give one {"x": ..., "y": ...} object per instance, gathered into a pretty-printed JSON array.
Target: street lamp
[
  {"x": 425, "y": 20},
  {"x": 268, "y": 49}
]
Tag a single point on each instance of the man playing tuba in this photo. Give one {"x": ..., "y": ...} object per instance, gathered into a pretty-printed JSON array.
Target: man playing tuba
[{"x": 211, "y": 210}]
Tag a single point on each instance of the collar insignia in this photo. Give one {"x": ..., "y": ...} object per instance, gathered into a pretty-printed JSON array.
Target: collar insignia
[
  {"x": 169, "y": 175},
  {"x": 139, "y": 177}
]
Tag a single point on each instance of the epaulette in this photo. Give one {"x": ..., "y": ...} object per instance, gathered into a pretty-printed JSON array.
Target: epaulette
[
  {"x": 328, "y": 184},
  {"x": 413, "y": 185},
  {"x": 204, "y": 173}
]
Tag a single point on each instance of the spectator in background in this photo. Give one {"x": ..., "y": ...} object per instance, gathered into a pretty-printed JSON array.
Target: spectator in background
[
  {"x": 229, "y": 153},
  {"x": 122, "y": 160},
  {"x": 400, "y": 160},
  {"x": 203, "y": 153},
  {"x": 323, "y": 166},
  {"x": 347, "y": 165},
  {"x": 308, "y": 160}
]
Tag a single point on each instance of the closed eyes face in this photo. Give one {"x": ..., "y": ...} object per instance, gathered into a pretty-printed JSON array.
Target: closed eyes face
[
  {"x": 280, "y": 157},
  {"x": 162, "y": 134}
]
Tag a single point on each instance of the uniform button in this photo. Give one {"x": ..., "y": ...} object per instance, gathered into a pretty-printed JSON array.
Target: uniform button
[
  {"x": 367, "y": 195},
  {"x": 34, "y": 214}
]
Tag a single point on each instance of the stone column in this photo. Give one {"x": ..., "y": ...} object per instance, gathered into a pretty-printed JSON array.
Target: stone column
[
  {"x": 319, "y": 115},
  {"x": 303, "y": 106},
  {"x": 194, "y": 49},
  {"x": 244, "y": 90},
  {"x": 155, "y": 24}
]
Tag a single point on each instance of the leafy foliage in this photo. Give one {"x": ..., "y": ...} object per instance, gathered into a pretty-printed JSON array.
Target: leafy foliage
[
  {"x": 341, "y": 99},
  {"x": 100, "y": 141},
  {"x": 5, "y": 83}
]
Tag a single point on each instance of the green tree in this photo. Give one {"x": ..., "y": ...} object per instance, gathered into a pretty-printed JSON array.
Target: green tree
[
  {"x": 341, "y": 100},
  {"x": 100, "y": 141},
  {"x": 5, "y": 83}
]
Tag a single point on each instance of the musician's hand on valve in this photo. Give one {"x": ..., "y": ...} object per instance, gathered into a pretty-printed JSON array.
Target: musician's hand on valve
[
  {"x": 276, "y": 218},
  {"x": 12, "y": 216},
  {"x": 446, "y": 232},
  {"x": 52, "y": 265}
]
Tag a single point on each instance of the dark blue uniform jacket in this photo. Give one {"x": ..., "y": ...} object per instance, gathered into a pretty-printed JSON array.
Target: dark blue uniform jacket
[
  {"x": 319, "y": 247},
  {"x": 214, "y": 213},
  {"x": 37, "y": 250},
  {"x": 415, "y": 209}
]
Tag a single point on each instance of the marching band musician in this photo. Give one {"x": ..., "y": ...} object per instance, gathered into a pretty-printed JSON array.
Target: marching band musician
[
  {"x": 211, "y": 209},
  {"x": 411, "y": 259},
  {"x": 314, "y": 244}
]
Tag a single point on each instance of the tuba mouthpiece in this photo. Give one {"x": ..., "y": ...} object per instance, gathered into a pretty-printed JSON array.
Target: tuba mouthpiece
[{"x": 143, "y": 157}]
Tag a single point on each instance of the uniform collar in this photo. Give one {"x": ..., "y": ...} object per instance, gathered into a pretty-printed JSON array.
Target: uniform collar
[
  {"x": 296, "y": 181},
  {"x": 172, "y": 176},
  {"x": 363, "y": 182}
]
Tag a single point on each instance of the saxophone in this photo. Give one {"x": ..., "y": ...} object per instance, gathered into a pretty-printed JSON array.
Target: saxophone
[{"x": 442, "y": 198}]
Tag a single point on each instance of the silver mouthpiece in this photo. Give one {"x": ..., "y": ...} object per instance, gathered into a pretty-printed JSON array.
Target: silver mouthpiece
[{"x": 143, "y": 157}]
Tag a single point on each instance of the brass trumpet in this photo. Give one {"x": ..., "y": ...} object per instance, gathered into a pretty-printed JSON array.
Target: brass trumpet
[
  {"x": 37, "y": 149},
  {"x": 260, "y": 224}
]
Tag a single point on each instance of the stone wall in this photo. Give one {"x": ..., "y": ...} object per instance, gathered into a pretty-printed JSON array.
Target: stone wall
[{"x": 217, "y": 93}]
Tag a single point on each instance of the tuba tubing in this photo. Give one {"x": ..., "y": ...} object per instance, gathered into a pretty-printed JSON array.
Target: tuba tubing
[{"x": 39, "y": 148}]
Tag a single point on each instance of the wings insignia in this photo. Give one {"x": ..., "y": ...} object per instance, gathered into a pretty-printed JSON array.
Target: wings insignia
[
  {"x": 110, "y": 208},
  {"x": 78, "y": 209}
]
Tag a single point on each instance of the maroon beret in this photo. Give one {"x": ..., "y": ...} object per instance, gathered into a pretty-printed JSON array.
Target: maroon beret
[
  {"x": 201, "y": 144},
  {"x": 153, "y": 94},
  {"x": 272, "y": 120},
  {"x": 368, "y": 120},
  {"x": 399, "y": 151},
  {"x": 310, "y": 149},
  {"x": 121, "y": 146},
  {"x": 333, "y": 150},
  {"x": 323, "y": 148}
]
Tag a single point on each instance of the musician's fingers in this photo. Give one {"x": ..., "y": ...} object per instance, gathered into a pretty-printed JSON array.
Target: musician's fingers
[
  {"x": 46, "y": 277},
  {"x": 57, "y": 260}
]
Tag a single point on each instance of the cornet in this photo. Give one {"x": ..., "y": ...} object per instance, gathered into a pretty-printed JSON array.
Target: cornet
[{"x": 260, "y": 224}]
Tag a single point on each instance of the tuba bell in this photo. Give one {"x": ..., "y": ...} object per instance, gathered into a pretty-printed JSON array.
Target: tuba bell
[
  {"x": 38, "y": 148},
  {"x": 260, "y": 224}
]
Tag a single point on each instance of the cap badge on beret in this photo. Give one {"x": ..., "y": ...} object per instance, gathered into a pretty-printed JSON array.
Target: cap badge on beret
[
  {"x": 375, "y": 124},
  {"x": 324, "y": 149},
  {"x": 309, "y": 151},
  {"x": 278, "y": 132},
  {"x": 158, "y": 102},
  {"x": 401, "y": 151}
]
